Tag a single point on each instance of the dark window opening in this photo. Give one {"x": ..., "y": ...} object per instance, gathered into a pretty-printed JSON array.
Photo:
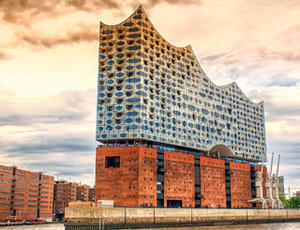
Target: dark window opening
[
  {"x": 112, "y": 162},
  {"x": 174, "y": 203}
]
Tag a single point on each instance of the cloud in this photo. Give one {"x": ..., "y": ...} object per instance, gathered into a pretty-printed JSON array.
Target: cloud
[
  {"x": 4, "y": 56},
  {"x": 64, "y": 108},
  {"x": 287, "y": 55},
  {"x": 19, "y": 11},
  {"x": 54, "y": 135},
  {"x": 48, "y": 144},
  {"x": 152, "y": 3},
  {"x": 289, "y": 161},
  {"x": 43, "y": 41}
]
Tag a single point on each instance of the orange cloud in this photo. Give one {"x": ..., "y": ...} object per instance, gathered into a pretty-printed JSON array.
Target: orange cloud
[
  {"x": 42, "y": 41},
  {"x": 4, "y": 56}
]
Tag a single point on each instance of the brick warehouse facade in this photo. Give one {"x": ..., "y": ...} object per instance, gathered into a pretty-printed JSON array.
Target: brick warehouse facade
[
  {"x": 135, "y": 176},
  {"x": 25, "y": 195},
  {"x": 212, "y": 181},
  {"x": 130, "y": 180}
]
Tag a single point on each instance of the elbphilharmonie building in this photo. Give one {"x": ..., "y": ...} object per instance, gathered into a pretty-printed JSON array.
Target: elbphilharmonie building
[{"x": 152, "y": 91}]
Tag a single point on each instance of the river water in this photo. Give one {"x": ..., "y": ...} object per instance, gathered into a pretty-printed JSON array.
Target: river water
[{"x": 279, "y": 226}]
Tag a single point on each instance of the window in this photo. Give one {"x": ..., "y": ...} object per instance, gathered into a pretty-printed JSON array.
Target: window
[{"x": 112, "y": 162}]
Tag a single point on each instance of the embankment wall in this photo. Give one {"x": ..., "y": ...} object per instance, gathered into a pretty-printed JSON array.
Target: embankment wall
[{"x": 155, "y": 217}]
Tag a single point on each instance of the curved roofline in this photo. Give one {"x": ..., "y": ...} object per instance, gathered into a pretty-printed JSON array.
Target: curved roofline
[
  {"x": 102, "y": 23},
  {"x": 189, "y": 47}
]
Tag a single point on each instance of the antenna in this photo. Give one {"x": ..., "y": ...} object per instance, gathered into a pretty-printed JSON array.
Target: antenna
[
  {"x": 278, "y": 162},
  {"x": 271, "y": 164}
]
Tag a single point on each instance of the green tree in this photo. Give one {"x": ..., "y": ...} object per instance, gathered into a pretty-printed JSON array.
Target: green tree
[{"x": 293, "y": 202}]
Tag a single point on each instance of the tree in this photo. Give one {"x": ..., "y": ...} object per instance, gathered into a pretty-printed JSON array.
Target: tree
[{"x": 293, "y": 202}]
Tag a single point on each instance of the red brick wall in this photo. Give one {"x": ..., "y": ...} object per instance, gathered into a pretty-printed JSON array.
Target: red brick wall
[
  {"x": 212, "y": 182},
  {"x": 6, "y": 175},
  {"x": 31, "y": 191},
  {"x": 64, "y": 192},
  {"x": 147, "y": 176},
  {"x": 240, "y": 184},
  {"x": 26, "y": 194},
  {"x": 179, "y": 178},
  {"x": 134, "y": 183},
  {"x": 46, "y": 196}
]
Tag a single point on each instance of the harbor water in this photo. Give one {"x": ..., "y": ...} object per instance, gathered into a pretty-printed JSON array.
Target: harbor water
[{"x": 276, "y": 226}]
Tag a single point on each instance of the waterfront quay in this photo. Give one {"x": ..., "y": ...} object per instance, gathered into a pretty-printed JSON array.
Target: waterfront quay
[{"x": 124, "y": 218}]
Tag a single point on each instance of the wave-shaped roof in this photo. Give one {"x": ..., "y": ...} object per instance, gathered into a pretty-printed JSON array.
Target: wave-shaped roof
[{"x": 231, "y": 85}]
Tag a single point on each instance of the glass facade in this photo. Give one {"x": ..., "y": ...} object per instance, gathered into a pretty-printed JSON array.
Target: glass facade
[{"x": 149, "y": 89}]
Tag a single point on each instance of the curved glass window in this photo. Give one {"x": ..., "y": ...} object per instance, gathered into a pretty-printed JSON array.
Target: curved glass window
[
  {"x": 119, "y": 94},
  {"x": 120, "y": 55},
  {"x": 129, "y": 87},
  {"x": 219, "y": 107},
  {"x": 128, "y": 24},
  {"x": 132, "y": 127},
  {"x": 135, "y": 60},
  {"x": 130, "y": 67},
  {"x": 109, "y": 128},
  {"x": 128, "y": 120},
  {"x": 107, "y": 32},
  {"x": 134, "y": 35},
  {"x": 134, "y": 47},
  {"x": 202, "y": 94},
  {"x": 176, "y": 112},
  {"x": 110, "y": 81},
  {"x": 132, "y": 80},
  {"x": 144, "y": 127},
  {"x": 205, "y": 111},
  {"x": 120, "y": 74},
  {"x": 191, "y": 107},
  {"x": 101, "y": 95},
  {"x": 132, "y": 113},
  {"x": 133, "y": 100},
  {"x": 141, "y": 73},
  {"x": 110, "y": 62}
]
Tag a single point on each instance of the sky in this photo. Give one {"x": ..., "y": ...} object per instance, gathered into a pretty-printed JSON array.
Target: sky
[{"x": 48, "y": 72}]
